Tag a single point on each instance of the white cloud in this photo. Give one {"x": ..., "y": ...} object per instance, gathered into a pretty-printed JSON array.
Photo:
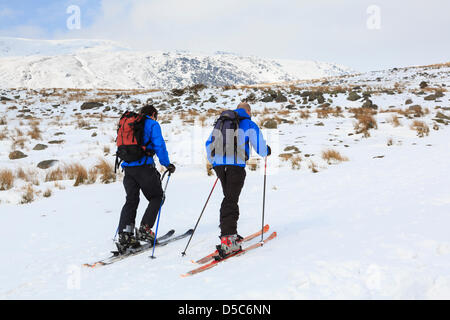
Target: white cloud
[{"x": 328, "y": 30}]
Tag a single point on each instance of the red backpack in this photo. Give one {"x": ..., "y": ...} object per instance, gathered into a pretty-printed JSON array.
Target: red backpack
[{"x": 130, "y": 138}]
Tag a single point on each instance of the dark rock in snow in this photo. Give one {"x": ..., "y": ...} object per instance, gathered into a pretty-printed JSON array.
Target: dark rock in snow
[
  {"x": 46, "y": 164},
  {"x": 17, "y": 155},
  {"x": 40, "y": 146},
  {"x": 91, "y": 105}
]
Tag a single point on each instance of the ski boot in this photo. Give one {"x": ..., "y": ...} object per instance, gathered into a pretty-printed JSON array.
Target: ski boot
[
  {"x": 127, "y": 240},
  {"x": 228, "y": 245},
  {"x": 145, "y": 233}
]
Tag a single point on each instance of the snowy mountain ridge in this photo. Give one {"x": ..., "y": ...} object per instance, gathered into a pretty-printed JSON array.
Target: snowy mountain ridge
[{"x": 106, "y": 64}]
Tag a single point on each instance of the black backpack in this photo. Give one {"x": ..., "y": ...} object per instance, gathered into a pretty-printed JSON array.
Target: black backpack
[{"x": 225, "y": 136}]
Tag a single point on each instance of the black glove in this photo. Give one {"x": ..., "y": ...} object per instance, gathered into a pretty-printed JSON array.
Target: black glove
[
  {"x": 269, "y": 151},
  {"x": 171, "y": 168}
]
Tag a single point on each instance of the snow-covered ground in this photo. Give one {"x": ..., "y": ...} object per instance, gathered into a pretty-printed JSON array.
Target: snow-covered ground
[{"x": 372, "y": 227}]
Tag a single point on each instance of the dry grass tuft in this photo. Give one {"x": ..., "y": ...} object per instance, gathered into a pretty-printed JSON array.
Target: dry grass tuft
[
  {"x": 81, "y": 175},
  {"x": 30, "y": 175},
  {"x": 305, "y": 114},
  {"x": 18, "y": 142},
  {"x": 35, "y": 132},
  {"x": 28, "y": 195},
  {"x": 209, "y": 169},
  {"x": 390, "y": 142},
  {"x": 295, "y": 162},
  {"x": 313, "y": 166},
  {"x": 364, "y": 123},
  {"x": 6, "y": 179},
  {"x": 55, "y": 175},
  {"x": 47, "y": 193},
  {"x": 253, "y": 164},
  {"x": 333, "y": 156},
  {"x": 421, "y": 128},
  {"x": 394, "y": 121},
  {"x": 202, "y": 120},
  {"x": 4, "y": 134},
  {"x": 106, "y": 171}
]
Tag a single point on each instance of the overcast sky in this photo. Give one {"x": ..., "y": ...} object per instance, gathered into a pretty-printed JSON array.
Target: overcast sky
[{"x": 364, "y": 35}]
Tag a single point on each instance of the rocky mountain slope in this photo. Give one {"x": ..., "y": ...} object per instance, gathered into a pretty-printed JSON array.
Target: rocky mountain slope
[{"x": 106, "y": 64}]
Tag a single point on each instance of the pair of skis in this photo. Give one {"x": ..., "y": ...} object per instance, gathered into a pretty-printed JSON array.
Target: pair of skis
[
  {"x": 207, "y": 262},
  {"x": 161, "y": 241},
  {"x": 212, "y": 259}
]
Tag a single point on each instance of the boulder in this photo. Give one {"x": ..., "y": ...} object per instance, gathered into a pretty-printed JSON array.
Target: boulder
[
  {"x": 46, "y": 164},
  {"x": 430, "y": 97},
  {"x": 280, "y": 97},
  {"x": 270, "y": 124},
  {"x": 267, "y": 99},
  {"x": 17, "y": 155},
  {"x": 40, "y": 146},
  {"x": 91, "y": 105},
  {"x": 353, "y": 96}
]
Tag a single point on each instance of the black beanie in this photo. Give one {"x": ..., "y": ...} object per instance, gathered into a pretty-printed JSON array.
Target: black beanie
[{"x": 149, "y": 110}]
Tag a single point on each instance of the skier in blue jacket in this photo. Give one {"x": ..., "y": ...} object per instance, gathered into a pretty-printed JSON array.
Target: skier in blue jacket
[
  {"x": 141, "y": 175},
  {"x": 230, "y": 169}
]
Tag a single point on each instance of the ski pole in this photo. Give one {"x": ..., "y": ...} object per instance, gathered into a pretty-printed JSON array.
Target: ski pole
[
  {"x": 159, "y": 213},
  {"x": 264, "y": 200},
  {"x": 203, "y": 210}
]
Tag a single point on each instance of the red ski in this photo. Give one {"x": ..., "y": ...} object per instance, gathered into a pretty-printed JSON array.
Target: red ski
[
  {"x": 210, "y": 256},
  {"x": 216, "y": 262}
]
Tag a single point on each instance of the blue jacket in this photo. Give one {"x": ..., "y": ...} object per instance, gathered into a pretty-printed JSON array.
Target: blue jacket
[
  {"x": 249, "y": 133},
  {"x": 152, "y": 133}
]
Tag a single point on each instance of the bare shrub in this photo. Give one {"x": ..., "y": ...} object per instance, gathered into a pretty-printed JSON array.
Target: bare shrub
[{"x": 6, "y": 179}]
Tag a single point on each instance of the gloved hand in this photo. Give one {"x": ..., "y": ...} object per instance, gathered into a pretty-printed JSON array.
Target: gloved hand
[
  {"x": 171, "y": 168},
  {"x": 269, "y": 151}
]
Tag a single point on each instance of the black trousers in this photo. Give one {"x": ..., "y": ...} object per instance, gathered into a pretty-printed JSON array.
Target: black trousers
[
  {"x": 232, "y": 179},
  {"x": 147, "y": 179}
]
